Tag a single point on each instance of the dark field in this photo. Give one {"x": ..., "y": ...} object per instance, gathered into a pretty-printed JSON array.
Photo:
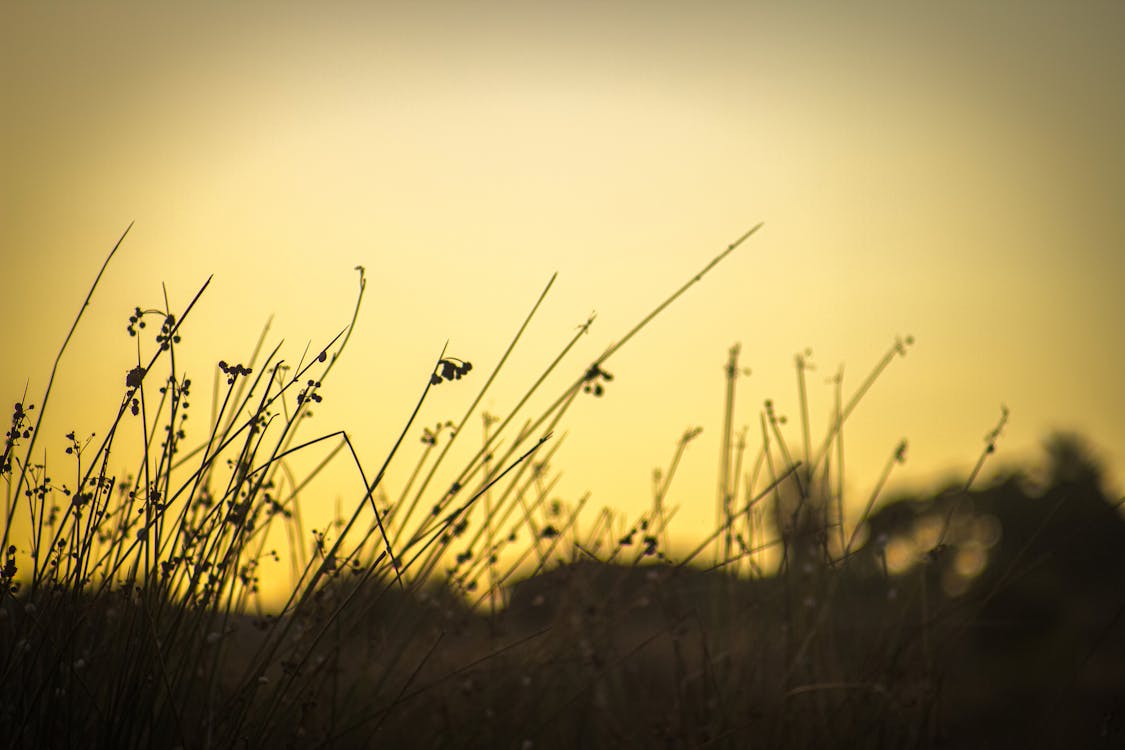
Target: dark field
[
  {"x": 592, "y": 654},
  {"x": 991, "y": 614}
]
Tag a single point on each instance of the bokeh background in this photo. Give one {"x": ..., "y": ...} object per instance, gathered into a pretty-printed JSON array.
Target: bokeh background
[{"x": 950, "y": 171}]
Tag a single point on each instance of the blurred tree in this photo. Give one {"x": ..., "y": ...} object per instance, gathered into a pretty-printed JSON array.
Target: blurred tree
[{"x": 1070, "y": 461}]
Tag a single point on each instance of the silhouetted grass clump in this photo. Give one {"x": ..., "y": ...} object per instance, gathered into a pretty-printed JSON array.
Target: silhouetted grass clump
[{"x": 484, "y": 613}]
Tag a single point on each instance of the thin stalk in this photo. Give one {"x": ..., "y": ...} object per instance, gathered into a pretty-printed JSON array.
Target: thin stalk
[
  {"x": 723, "y": 509},
  {"x": 897, "y": 349},
  {"x": 50, "y": 385},
  {"x": 898, "y": 457},
  {"x": 476, "y": 401}
]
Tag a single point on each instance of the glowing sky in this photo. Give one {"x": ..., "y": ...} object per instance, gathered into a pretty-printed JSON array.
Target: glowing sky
[{"x": 952, "y": 171}]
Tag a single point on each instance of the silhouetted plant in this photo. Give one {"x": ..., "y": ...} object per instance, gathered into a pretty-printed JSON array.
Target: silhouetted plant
[
  {"x": 130, "y": 608},
  {"x": 594, "y": 378}
]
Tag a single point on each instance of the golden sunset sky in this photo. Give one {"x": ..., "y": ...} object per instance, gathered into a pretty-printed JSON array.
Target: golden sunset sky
[{"x": 951, "y": 171}]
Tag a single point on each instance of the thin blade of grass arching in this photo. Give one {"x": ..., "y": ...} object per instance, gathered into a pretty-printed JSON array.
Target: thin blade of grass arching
[
  {"x": 50, "y": 384},
  {"x": 305, "y": 584},
  {"x": 400, "y": 568},
  {"x": 378, "y": 524},
  {"x": 386, "y": 462},
  {"x": 295, "y": 530},
  {"x": 369, "y": 488},
  {"x": 472, "y": 407},
  {"x": 348, "y": 329}
]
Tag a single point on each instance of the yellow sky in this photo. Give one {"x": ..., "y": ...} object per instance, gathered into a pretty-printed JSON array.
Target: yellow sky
[{"x": 948, "y": 171}]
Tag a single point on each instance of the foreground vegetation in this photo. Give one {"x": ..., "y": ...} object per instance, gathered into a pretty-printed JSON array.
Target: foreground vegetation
[{"x": 130, "y": 613}]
